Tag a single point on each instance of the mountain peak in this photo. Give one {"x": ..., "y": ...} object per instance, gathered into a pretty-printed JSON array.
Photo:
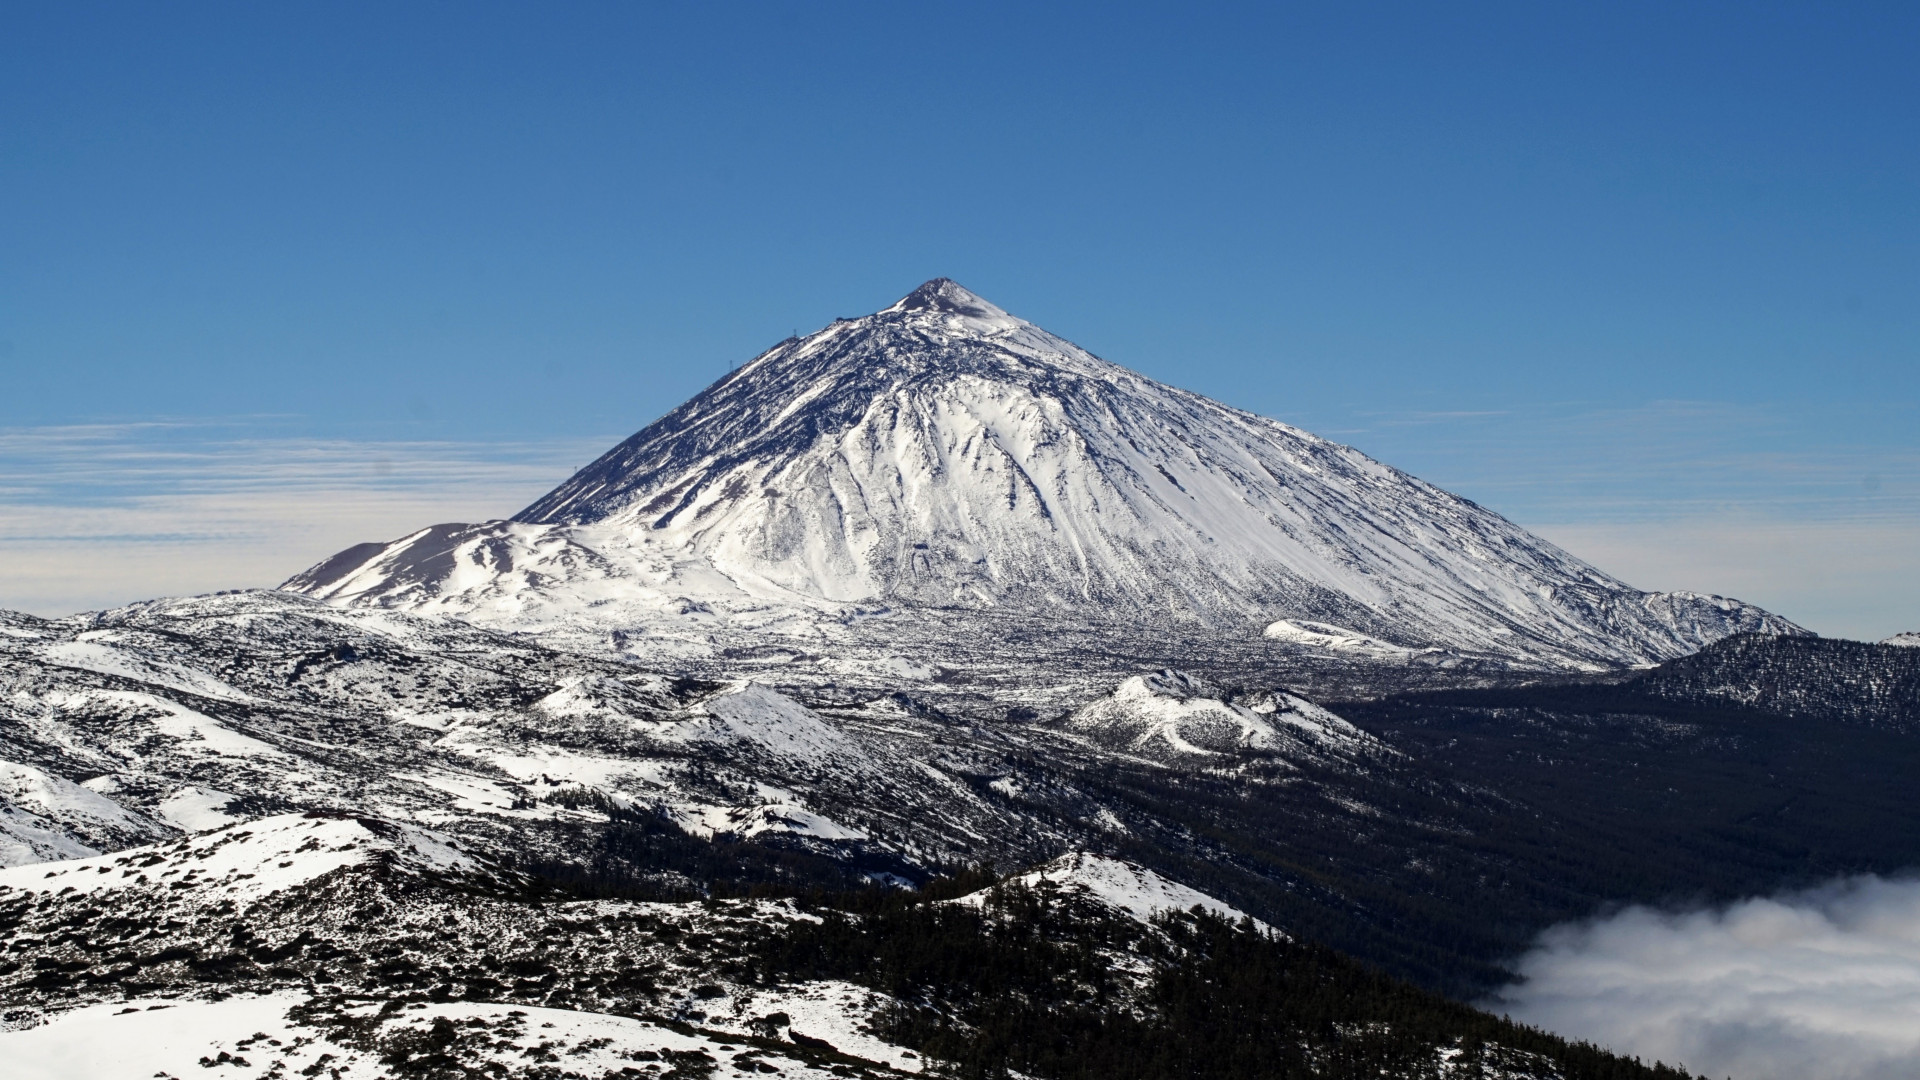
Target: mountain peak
[
  {"x": 944, "y": 454},
  {"x": 946, "y": 296}
]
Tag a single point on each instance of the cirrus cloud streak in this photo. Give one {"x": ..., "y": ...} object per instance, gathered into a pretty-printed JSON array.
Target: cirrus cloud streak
[{"x": 100, "y": 515}]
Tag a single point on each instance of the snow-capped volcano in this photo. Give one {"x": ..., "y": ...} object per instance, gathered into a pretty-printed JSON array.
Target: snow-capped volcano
[{"x": 942, "y": 453}]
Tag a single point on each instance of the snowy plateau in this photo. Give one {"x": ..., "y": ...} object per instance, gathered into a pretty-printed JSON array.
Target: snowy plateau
[{"x": 924, "y": 696}]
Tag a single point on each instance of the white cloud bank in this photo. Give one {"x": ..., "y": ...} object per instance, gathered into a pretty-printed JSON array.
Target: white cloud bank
[{"x": 1818, "y": 985}]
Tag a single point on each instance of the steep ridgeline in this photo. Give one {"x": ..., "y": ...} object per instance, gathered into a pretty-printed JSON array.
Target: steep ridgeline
[{"x": 944, "y": 454}]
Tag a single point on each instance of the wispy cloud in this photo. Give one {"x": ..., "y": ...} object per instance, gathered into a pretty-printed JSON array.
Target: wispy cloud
[
  {"x": 1427, "y": 418},
  {"x": 1708, "y": 496},
  {"x": 1819, "y": 985},
  {"x": 1738, "y": 499},
  {"x": 1661, "y": 460},
  {"x": 1856, "y": 577},
  {"x": 92, "y": 516}
]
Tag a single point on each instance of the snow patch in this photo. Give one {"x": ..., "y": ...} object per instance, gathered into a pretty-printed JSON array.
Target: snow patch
[
  {"x": 171, "y": 719},
  {"x": 750, "y": 714},
  {"x": 1123, "y": 886},
  {"x": 706, "y": 820},
  {"x": 1318, "y": 635},
  {"x": 104, "y": 659},
  {"x": 45, "y": 817},
  {"x": 840, "y": 1013},
  {"x": 1171, "y": 714},
  {"x": 27, "y": 838},
  {"x": 198, "y": 809},
  {"x": 248, "y": 861}
]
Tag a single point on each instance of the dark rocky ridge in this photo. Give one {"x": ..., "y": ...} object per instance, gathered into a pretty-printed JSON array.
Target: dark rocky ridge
[{"x": 1799, "y": 677}]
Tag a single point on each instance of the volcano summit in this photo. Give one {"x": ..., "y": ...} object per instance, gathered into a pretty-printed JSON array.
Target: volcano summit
[{"x": 942, "y": 455}]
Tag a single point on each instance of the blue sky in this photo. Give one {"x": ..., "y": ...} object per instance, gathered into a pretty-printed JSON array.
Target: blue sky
[{"x": 1641, "y": 276}]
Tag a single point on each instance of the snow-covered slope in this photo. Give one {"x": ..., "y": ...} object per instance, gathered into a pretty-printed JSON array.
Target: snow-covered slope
[
  {"x": 244, "y": 862},
  {"x": 1121, "y": 886},
  {"x": 43, "y": 816},
  {"x": 276, "y": 1035},
  {"x": 1910, "y": 639},
  {"x": 192, "y": 714},
  {"x": 1171, "y": 716},
  {"x": 304, "y": 944},
  {"x": 942, "y": 453}
]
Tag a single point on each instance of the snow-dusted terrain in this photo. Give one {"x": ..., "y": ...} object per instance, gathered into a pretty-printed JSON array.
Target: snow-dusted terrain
[
  {"x": 316, "y": 945},
  {"x": 942, "y": 454},
  {"x": 239, "y": 864},
  {"x": 44, "y": 816},
  {"x": 288, "y": 1033},
  {"x": 175, "y": 717},
  {"x": 188, "y": 714},
  {"x": 927, "y": 594},
  {"x": 280, "y": 908}
]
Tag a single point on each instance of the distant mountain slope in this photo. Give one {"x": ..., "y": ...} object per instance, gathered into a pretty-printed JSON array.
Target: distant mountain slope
[
  {"x": 1814, "y": 678},
  {"x": 944, "y": 454}
]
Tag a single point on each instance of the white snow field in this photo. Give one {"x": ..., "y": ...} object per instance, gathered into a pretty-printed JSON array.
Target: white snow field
[
  {"x": 43, "y": 816},
  {"x": 265, "y": 1036}
]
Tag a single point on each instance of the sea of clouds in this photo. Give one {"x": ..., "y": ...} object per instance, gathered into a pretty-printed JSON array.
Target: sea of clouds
[{"x": 1815, "y": 985}]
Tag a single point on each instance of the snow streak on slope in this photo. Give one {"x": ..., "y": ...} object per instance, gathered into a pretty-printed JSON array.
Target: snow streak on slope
[
  {"x": 944, "y": 453},
  {"x": 1333, "y": 639}
]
